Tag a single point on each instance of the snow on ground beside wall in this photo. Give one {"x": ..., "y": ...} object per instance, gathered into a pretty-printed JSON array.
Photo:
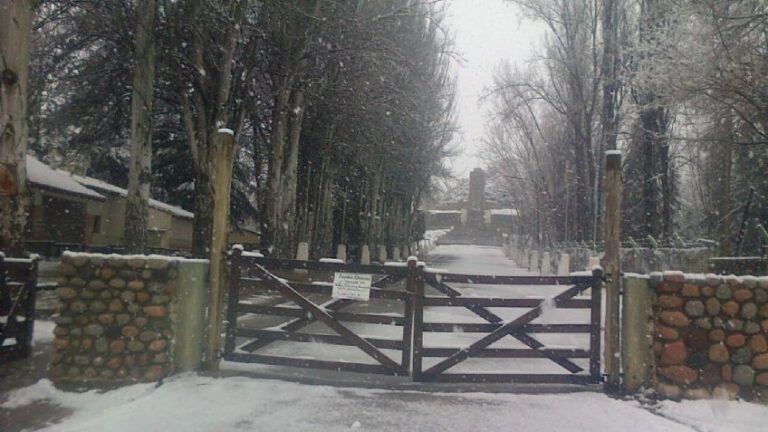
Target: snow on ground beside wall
[
  {"x": 193, "y": 403},
  {"x": 43, "y": 331},
  {"x": 717, "y": 415}
]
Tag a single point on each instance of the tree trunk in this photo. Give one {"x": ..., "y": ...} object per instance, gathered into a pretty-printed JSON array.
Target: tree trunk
[
  {"x": 290, "y": 175},
  {"x": 140, "y": 174},
  {"x": 15, "y": 33}
]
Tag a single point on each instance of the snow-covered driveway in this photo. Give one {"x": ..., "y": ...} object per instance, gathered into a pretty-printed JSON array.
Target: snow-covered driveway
[{"x": 482, "y": 260}]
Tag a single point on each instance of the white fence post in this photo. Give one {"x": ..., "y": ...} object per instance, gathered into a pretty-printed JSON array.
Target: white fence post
[
  {"x": 546, "y": 264},
  {"x": 341, "y": 252},
  {"x": 564, "y": 265},
  {"x": 365, "y": 255}
]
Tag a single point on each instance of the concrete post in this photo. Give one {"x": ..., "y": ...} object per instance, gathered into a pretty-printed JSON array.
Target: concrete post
[
  {"x": 302, "y": 252},
  {"x": 546, "y": 264},
  {"x": 534, "y": 266},
  {"x": 341, "y": 252},
  {"x": 365, "y": 255},
  {"x": 396, "y": 253},
  {"x": 382, "y": 254},
  {"x": 524, "y": 258},
  {"x": 414, "y": 249},
  {"x": 189, "y": 325},
  {"x": 564, "y": 265},
  {"x": 637, "y": 334}
]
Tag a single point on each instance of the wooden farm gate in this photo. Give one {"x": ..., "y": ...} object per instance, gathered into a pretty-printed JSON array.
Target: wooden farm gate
[
  {"x": 301, "y": 299},
  {"x": 18, "y": 281},
  {"x": 520, "y": 326},
  {"x": 301, "y": 293}
]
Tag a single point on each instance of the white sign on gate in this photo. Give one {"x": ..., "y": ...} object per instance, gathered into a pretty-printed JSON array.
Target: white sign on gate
[{"x": 353, "y": 286}]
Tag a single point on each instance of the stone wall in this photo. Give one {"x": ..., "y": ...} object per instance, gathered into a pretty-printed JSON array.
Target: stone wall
[
  {"x": 115, "y": 318},
  {"x": 709, "y": 337}
]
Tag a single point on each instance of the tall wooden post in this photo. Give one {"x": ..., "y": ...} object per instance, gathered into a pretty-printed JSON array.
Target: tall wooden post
[
  {"x": 612, "y": 262},
  {"x": 224, "y": 152}
]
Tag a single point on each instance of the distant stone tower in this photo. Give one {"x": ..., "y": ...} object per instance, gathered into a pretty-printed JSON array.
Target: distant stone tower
[{"x": 476, "y": 199}]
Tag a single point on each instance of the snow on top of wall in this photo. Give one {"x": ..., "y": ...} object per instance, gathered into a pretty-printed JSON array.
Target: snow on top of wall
[
  {"x": 227, "y": 131},
  {"x": 43, "y": 175},
  {"x": 128, "y": 257},
  {"x": 110, "y": 188},
  {"x": 504, "y": 212}
]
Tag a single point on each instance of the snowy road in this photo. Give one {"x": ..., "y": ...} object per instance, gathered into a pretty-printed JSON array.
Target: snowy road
[{"x": 484, "y": 260}]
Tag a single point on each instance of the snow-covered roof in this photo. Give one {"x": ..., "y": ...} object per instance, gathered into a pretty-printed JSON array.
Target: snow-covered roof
[
  {"x": 506, "y": 212},
  {"x": 43, "y": 175},
  {"x": 105, "y": 187}
]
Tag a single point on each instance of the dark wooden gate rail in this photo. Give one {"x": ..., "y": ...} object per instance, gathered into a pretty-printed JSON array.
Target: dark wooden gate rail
[
  {"x": 18, "y": 281},
  {"x": 257, "y": 273},
  {"x": 496, "y": 328}
]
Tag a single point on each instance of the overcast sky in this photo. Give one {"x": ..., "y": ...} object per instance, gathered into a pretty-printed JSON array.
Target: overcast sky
[{"x": 487, "y": 32}]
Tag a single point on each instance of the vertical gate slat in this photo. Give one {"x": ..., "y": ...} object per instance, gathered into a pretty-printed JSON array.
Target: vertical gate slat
[
  {"x": 595, "y": 333},
  {"x": 418, "y": 323}
]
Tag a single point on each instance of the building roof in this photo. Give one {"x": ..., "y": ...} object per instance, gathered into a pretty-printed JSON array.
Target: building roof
[
  {"x": 106, "y": 188},
  {"x": 42, "y": 175}
]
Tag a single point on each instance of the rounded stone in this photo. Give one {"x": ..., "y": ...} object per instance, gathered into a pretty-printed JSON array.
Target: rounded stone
[
  {"x": 136, "y": 263},
  {"x": 723, "y": 292},
  {"x": 667, "y": 390},
  {"x": 148, "y": 335},
  {"x": 717, "y": 335},
  {"x": 158, "y": 345},
  {"x": 727, "y": 372},
  {"x": 731, "y": 308},
  {"x": 105, "y": 295},
  {"x": 764, "y": 311},
  {"x": 76, "y": 331},
  {"x": 136, "y": 285},
  {"x": 679, "y": 374},
  {"x": 694, "y": 308},
  {"x": 761, "y": 296},
  {"x": 63, "y": 320},
  {"x": 690, "y": 290},
  {"x": 106, "y": 319},
  {"x": 697, "y": 341},
  {"x": 736, "y": 340},
  {"x": 760, "y": 362},
  {"x": 73, "y": 371},
  {"x": 762, "y": 379},
  {"x": 99, "y": 361},
  {"x": 116, "y": 306},
  {"x": 717, "y": 322},
  {"x": 143, "y": 296},
  {"x": 87, "y": 294},
  {"x": 707, "y": 291},
  {"x": 734, "y": 325},
  {"x": 146, "y": 274},
  {"x": 97, "y": 285},
  {"x": 67, "y": 270},
  {"x": 98, "y": 306},
  {"x": 135, "y": 346},
  {"x": 133, "y": 308},
  {"x": 154, "y": 373},
  {"x": 122, "y": 319},
  {"x": 128, "y": 296},
  {"x": 758, "y": 344},
  {"x": 670, "y": 301},
  {"x": 60, "y": 344},
  {"x": 741, "y": 356},
  {"x": 751, "y": 327},
  {"x": 67, "y": 293},
  {"x": 107, "y": 374},
  {"x": 157, "y": 263},
  {"x": 666, "y": 333},
  {"x": 713, "y": 306},
  {"x": 60, "y": 331},
  {"x": 673, "y": 353},
  {"x": 82, "y": 360},
  {"x": 718, "y": 353},
  {"x": 130, "y": 331},
  {"x": 141, "y": 321},
  {"x": 107, "y": 273},
  {"x": 703, "y": 323},
  {"x": 744, "y": 375},
  {"x": 742, "y": 295},
  {"x": 117, "y": 283},
  {"x": 748, "y": 310},
  {"x": 161, "y": 311},
  {"x": 114, "y": 362},
  {"x": 101, "y": 344},
  {"x": 117, "y": 346},
  {"x": 78, "y": 307}
]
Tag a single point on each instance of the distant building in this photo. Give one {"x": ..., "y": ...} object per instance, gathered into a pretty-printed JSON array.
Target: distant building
[{"x": 84, "y": 211}]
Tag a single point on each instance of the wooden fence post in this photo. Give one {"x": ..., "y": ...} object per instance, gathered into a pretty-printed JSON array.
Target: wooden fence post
[
  {"x": 224, "y": 152},
  {"x": 416, "y": 281},
  {"x": 612, "y": 354}
]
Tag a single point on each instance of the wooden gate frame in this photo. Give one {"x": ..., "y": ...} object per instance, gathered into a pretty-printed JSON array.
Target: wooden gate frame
[
  {"x": 518, "y": 328},
  {"x": 330, "y": 313},
  {"x": 18, "y": 286}
]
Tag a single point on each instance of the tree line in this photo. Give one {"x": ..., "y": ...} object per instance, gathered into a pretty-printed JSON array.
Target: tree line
[
  {"x": 343, "y": 110},
  {"x": 677, "y": 86}
]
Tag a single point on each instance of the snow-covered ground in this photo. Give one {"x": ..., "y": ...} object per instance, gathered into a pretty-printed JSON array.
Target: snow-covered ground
[
  {"x": 194, "y": 403},
  {"x": 189, "y": 402}
]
